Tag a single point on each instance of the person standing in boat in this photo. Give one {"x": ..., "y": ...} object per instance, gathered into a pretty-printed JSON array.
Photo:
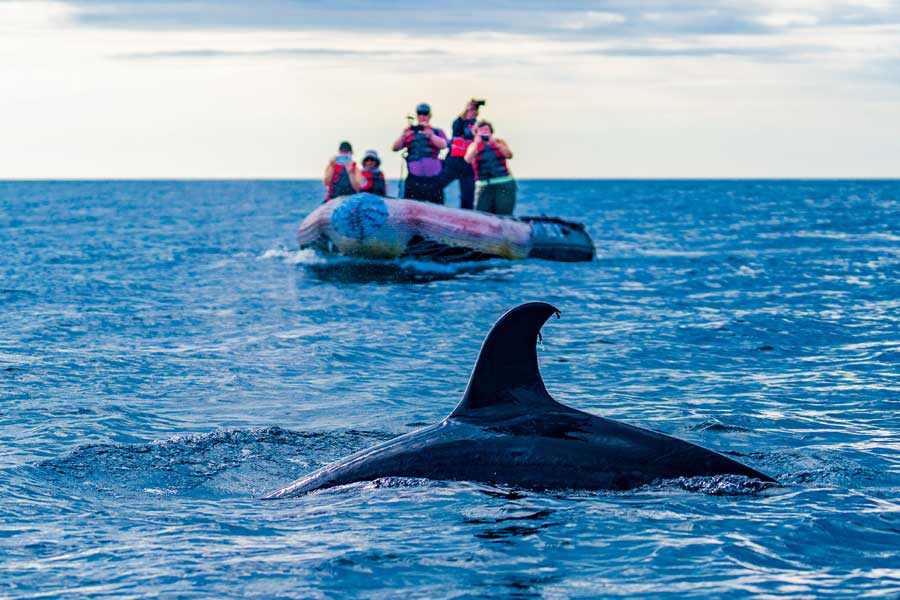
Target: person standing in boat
[
  {"x": 370, "y": 178},
  {"x": 340, "y": 174},
  {"x": 495, "y": 188},
  {"x": 423, "y": 143},
  {"x": 455, "y": 165}
]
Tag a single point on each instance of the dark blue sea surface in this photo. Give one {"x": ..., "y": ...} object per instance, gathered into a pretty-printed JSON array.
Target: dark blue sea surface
[{"x": 167, "y": 356}]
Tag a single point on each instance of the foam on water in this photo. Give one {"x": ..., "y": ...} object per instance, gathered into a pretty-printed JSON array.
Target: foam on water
[{"x": 305, "y": 256}]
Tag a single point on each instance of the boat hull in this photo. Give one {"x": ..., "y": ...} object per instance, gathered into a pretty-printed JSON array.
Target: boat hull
[{"x": 368, "y": 226}]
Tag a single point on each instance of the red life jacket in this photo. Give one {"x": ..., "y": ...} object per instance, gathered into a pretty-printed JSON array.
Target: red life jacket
[
  {"x": 374, "y": 182},
  {"x": 460, "y": 143},
  {"x": 489, "y": 163},
  {"x": 458, "y": 146},
  {"x": 340, "y": 182}
]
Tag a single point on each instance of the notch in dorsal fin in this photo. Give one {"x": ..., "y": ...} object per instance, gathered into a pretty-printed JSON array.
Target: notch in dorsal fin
[{"x": 506, "y": 375}]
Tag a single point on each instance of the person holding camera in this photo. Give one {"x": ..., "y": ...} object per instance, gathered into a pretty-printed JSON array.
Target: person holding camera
[
  {"x": 370, "y": 178},
  {"x": 423, "y": 143},
  {"x": 340, "y": 174},
  {"x": 455, "y": 165},
  {"x": 495, "y": 188}
]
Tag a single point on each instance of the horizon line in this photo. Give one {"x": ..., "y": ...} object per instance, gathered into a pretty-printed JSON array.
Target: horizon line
[{"x": 318, "y": 179}]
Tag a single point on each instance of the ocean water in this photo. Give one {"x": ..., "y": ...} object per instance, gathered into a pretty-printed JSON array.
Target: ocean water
[{"x": 167, "y": 356}]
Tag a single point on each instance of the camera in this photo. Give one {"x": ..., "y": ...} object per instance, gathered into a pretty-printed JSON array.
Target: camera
[
  {"x": 411, "y": 123},
  {"x": 477, "y": 103}
]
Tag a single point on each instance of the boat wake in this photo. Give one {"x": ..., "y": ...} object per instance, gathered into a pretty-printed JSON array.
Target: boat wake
[
  {"x": 306, "y": 256},
  {"x": 348, "y": 269}
]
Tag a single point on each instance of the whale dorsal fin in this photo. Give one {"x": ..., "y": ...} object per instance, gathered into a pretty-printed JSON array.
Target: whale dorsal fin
[{"x": 506, "y": 376}]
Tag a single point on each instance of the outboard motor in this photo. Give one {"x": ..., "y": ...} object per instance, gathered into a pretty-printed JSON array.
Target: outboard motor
[{"x": 556, "y": 239}]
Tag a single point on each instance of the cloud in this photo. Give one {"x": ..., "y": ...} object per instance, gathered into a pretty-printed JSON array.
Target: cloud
[
  {"x": 530, "y": 17},
  {"x": 764, "y": 31},
  {"x": 265, "y": 88},
  {"x": 205, "y": 53},
  {"x": 590, "y": 19},
  {"x": 696, "y": 51},
  {"x": 776, "y": 20}
]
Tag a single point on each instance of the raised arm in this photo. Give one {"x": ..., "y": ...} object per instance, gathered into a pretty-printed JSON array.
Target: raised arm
[
  {"x": 399, "y": 143},
  {"x": 329, "y": 172},
  {"x": 504, "y": 149},
  {"x": 440, "y": 141},
  {"x": 470, "y": 152},
  {"x": 354, "y": 174}
]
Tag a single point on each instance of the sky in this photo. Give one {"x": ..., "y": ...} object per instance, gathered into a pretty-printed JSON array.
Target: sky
[{"x": 592, "y": 89}]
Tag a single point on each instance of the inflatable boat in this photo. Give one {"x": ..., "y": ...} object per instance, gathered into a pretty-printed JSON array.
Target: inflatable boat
[{"x": 368, "y": 226}]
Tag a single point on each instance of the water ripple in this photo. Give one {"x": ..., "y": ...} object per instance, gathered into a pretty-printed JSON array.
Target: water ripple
[{"x": 168, "y": 356}]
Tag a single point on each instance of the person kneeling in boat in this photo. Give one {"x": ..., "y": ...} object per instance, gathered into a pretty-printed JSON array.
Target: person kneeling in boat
[
  {"x": 423, "y": 143},
  {"x": 495, "y": 188},
  {"x": 341, "y": 173},
  {"x": 370, "y": 179}
]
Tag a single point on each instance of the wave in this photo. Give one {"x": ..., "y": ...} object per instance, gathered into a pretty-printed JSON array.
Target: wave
[{"x": 230, "y": 462}]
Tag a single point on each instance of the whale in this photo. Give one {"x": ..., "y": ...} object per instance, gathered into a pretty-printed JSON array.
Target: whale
[{"x": 507, "y": 430}]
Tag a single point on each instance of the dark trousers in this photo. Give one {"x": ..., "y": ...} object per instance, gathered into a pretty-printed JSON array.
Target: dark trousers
[
  {"x": 456, "y": 167},
  {"x": 497, "y": 198},
  {"x": 428, "y": 189}
]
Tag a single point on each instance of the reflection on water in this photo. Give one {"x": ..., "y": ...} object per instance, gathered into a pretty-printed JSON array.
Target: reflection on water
[
  {"x": 515, "y": 525},
  {"x": 348, "y": 270}
]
